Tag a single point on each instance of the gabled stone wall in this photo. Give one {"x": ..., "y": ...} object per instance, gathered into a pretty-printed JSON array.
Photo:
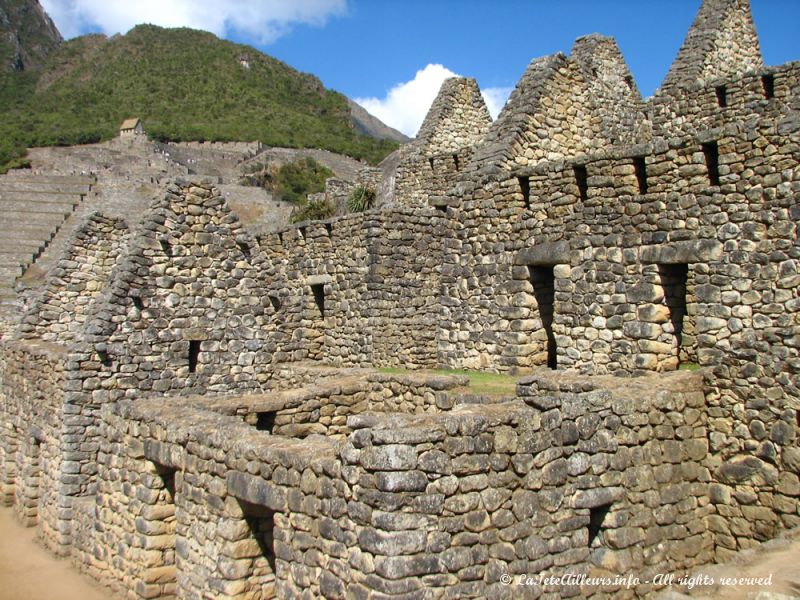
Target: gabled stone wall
[{"x": 60, "y": 314}]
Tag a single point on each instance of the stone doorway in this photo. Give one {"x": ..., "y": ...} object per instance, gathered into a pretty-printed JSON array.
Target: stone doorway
[
  {"x": 261, "y": 524},
  {"x": 28, "y": 488},
  {"x": 543, "y": 281},
  {"x": 674, "y": 278}
]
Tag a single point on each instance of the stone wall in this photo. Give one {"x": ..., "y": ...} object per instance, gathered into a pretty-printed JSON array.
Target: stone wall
[
  {"x": 359, "y": 290},
  {"x": 180, "y": 506},
  {"x": 32, "y": 470}
]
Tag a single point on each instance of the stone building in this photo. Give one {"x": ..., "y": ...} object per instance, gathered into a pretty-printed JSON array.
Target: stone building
[
  {"x": 131, "y": 128},
  {"x": 206, "y": 419}
]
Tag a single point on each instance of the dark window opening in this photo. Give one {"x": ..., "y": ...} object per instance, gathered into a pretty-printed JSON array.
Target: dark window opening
[
  {"x": 105, "y": 359},
  {"x": 711, "y": 153},
  {"x": 582, "y": 181},
  {"x": 167, "y": 476},
  {"x": 455, "y": 160},
  {"x": 302, "y": 231},
  {"x": 319, "y": 297},
  {"x": 261, "y": 522},
  {"x": 165, "y": 247},
  {"x": 244, "y": 248},
  {"x": 280, "y": 237},
  {"x": 265, "y": 421},
  {"x": 544, "y": 289},
  {"x": 768, "y": 83},
  {"x": 276, "y": 303},
  {"x": 645, "y": 116},
  {"x": 640, "y": 166},
  {"x": 137, "y": 302},
  {"x": 525, "y": 188},
  {"x": 674, "y": 278},
  {"x": 629, "y": 81},
  {"x": 430, "y": 162},
  {"x": 597, "y": 515},
  {"x": 329, "y": 228},
  {"x": 441, "y": 208},
  {"x": 722, "y": 96},
  {"x": 194, "y": 355}
]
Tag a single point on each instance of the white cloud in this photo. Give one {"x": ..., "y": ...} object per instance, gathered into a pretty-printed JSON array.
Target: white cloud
[
  {"x": 496, "y": 99},
  {"x": 406, "y": 104},
  {"x": 262, "y": 21}
]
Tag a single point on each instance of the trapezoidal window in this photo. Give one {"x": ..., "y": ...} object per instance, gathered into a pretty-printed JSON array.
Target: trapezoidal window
[
  {"x": 318, "y": 290},
  {"x": 597, "y": 515},
  {"x": 640, "y": 167},
  {"x": 711, "y": 154},
  {"x": 543, "y": 281},
  {"x": 265, "y": 421},
  {"x": 194, "y": 355},
  {"x": 674, "y": 279},
  {"x": 456, "y": 162},
  {"x": 722, "y": 96},
  {"x": 430, "y": 162},
  {"x": 582, "y": 181},
  {"x": 525, "y": 188},
  {"x": 768, "y": 84},
  {"x": 276, "y": 302}
]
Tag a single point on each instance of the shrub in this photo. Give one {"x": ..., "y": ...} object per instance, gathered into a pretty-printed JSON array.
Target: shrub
[
  {"x": 296, "y": 180},
  {"x": 313, "y": 210},
  {"x": 361, "y": 198}
]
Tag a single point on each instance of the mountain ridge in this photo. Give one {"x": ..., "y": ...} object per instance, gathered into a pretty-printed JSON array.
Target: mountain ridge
[{"x": 27, "y": 35}]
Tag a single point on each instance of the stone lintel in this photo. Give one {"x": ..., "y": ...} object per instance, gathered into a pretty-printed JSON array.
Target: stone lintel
[
  {"x": 319, "y": 279},
  {"x": 256, "y": 490},
  {"x": 692, "y": 251},
  {"x": 546, "y": 254},
  {"x": 164, "y": 454}
]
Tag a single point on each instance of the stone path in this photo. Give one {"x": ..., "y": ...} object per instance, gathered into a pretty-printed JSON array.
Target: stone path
[{"x": 29, "y": 572}]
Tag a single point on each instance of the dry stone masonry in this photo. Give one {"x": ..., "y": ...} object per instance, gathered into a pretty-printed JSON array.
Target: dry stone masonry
[{"x": 189, "y": 410}]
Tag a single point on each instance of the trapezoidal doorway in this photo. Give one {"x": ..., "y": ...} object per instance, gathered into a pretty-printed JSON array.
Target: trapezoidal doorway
[
  {"x": 544, "y": 289},
  {"x": 674, "y": 279}
]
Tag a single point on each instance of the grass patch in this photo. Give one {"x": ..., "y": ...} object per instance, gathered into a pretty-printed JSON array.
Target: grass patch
[
  {"x": 689, "y": 367},
  {"x": 480, "y": 382}
]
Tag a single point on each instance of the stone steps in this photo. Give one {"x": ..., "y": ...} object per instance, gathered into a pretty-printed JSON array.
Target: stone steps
[
  {"x": 41, "y": 195},
  {"x": 11, "y": 208},
  {"x": 34, "y": 208}
]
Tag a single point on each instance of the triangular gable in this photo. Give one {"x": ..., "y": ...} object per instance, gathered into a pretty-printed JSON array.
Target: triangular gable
[
  {"x": 76, "y": 282},
  {"x": 721, "y": 44},
  {"x": 457, "y": 119}
]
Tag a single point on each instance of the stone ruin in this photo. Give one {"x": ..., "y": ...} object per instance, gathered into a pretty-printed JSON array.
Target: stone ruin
[{"x": 190, "y": 411}]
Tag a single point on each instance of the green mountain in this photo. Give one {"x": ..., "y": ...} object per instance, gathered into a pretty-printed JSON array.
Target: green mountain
[{"x": 184, "y": 85}]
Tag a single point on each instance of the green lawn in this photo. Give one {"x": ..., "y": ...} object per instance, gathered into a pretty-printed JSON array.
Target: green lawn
[{"x": 480, "y": 382}]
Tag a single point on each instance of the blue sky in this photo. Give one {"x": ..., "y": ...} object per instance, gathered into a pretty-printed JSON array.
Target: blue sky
[{"x": 368, "y": 48}]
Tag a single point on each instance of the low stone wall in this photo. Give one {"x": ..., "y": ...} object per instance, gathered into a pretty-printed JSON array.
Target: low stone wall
[
  {"x": 181, "y": 494},
  {"x": 574, "y": 479},
  {"x": 569, "y": 478}
]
